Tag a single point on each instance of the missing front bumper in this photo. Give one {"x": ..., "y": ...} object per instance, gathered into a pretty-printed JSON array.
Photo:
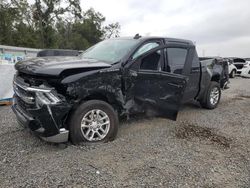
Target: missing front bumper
[
  {"x": 63, "y": 136},
  {"x": 47, "y": 124}
]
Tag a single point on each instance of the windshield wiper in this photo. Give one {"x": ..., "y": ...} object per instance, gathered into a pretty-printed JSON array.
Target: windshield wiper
[{"x": 115, "y": 63}]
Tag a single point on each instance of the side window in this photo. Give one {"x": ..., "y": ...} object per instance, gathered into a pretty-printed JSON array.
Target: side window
[
  {"x": 145, "y": 48},
  {"x": 151, "y": 61},
  {"x": 176, "y": 58},
  {"x": 195, "y": 62}
]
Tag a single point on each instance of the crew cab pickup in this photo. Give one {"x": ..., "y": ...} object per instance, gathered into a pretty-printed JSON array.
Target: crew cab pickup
[{"x": 81, "y": 98}]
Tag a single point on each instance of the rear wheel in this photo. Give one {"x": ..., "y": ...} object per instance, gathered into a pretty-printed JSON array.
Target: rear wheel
[
  {"x": 212, "y": 97},
  {"x": 93, "y": 121},
  {"x": 232, "y": 74}
]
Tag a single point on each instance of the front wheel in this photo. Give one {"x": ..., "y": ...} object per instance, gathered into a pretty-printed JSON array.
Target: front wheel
[
  {"x": 212, "y": 96},
  {"x": 93, "y": 121}
]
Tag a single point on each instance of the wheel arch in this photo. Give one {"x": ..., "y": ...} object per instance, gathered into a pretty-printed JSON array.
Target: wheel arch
[
  {"x": 108, "y": 97},
  {"x": 234, "y": 69}
]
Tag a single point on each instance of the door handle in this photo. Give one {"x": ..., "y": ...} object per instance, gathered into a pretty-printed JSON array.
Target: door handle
[
  {"x": 195, "y": 70},
  {"x": 175, "y": 85}
]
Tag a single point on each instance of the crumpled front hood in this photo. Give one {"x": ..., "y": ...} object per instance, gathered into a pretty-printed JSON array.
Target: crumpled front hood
[{"x": 54, "y": 66}]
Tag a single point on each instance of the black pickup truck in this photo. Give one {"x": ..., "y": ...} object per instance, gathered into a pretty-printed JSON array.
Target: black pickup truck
[{"x": 81, "y": 98}]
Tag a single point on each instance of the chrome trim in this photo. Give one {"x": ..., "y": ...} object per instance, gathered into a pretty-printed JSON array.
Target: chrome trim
[
  {"x": 47, "y": 98},
  {"x": 61, "y": 137},
  {"x": 29, "y": 100},
  {"x": 33, "y": 89}
]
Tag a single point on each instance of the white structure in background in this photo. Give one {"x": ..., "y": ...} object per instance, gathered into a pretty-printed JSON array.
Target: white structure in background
[{"x": 9, "y": 55}]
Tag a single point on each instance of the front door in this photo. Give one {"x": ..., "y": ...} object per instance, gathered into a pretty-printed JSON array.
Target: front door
[{"x": 152, "y": 87}]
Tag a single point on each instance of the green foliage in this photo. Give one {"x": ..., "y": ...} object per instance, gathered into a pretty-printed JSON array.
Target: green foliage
[
  {"x": 8, "y": 15},
  {"x": 112, "y": 30},
  {"x": 52, "y": 24}
]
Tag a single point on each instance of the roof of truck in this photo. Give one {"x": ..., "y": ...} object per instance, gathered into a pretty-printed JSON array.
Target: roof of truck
[
  {"x": 189, "y": 42},
  {"x": 179, "y": 40}
]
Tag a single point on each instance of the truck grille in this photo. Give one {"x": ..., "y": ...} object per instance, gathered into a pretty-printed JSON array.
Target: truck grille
[
  {"x": 23, "y": 105},
  {"x": 27, "y": 97},
  {"x": 31, "y": 96},
  {"x": 23, "y": 98}
]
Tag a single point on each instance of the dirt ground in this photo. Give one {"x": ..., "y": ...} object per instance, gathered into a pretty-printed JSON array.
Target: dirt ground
[{"x": 203, "y": 148}]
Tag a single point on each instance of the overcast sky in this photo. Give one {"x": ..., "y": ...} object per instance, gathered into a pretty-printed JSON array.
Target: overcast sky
[{"x": 219, "y": 27}]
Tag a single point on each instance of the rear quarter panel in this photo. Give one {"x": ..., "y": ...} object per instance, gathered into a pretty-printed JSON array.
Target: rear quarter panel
[{"x": 209, "y": 69}]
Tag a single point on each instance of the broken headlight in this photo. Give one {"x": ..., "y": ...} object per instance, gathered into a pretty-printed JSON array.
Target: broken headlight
[{"x": 47, "y": 98}]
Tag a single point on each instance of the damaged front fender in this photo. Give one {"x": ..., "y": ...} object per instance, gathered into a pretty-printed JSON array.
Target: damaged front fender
[{"x": 99, "y": 84}]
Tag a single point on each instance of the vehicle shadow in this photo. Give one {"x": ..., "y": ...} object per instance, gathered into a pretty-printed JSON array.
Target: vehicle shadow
[
  {"x": 190, "y": 105},
  {"x": 145, "y": 117},
  {"x": 134, "y": 118}
]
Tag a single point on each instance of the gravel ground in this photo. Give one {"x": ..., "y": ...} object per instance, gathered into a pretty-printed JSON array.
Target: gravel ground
[{"x": 203, "y": 148}]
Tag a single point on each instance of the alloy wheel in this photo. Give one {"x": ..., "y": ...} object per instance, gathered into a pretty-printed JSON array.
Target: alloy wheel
[
  {"x": 95, "y": 125},
  {"x": 214, "y": 96}
]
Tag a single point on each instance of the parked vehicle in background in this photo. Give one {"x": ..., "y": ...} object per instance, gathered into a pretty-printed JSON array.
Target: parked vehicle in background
[
  {"x": 82, "y": 97},
  {"x": 232, "y": 69},
  {"x": 239, "y": 64},
  {"x": 225, "y": 62},
  {"x": 246, "y": 69},
  {"x": 57, "y": 52}
]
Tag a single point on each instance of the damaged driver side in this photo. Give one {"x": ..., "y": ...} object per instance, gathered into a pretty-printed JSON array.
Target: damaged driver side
[{"x": 86, "y": 95}]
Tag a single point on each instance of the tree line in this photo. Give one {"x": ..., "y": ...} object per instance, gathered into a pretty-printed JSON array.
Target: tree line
[{"x": 52, "y": 24}]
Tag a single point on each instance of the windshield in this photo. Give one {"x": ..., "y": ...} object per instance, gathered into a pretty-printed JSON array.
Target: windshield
[{"x": 110, "y": 51}]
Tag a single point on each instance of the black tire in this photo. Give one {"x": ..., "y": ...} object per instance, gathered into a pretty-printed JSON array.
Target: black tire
[
  {"x": 232, "y": 74},
  {"x": 75, "y": 131},
  {"x": 206, "y": 102}
]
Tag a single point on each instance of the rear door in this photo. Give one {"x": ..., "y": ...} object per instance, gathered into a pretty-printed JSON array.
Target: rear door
[
  {"x": 152, "y": 87},
  {"x": 193, "y": 71}
]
